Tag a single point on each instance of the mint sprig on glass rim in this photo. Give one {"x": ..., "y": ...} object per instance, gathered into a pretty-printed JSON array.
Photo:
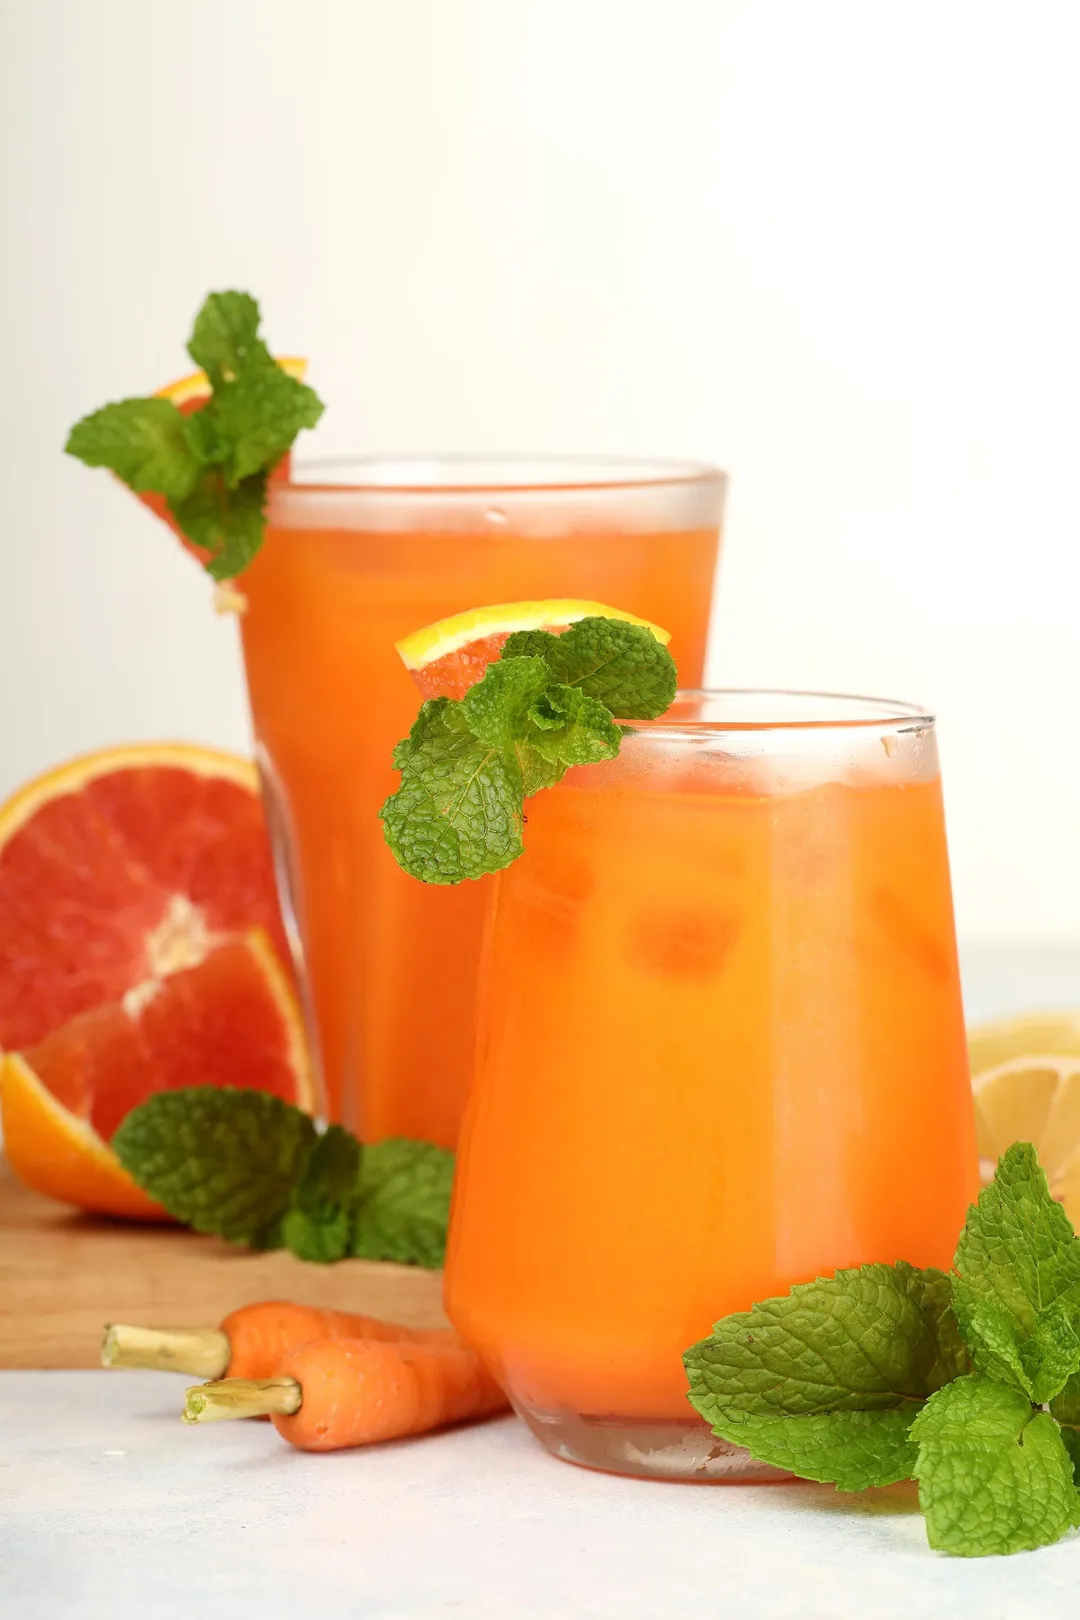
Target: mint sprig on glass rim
[
  {"x": 249, "y": 1167},
  {"x": 968, "y": 1383},
  {"x": 211, "y": 467},
  {"x": 549, "y": 702}
]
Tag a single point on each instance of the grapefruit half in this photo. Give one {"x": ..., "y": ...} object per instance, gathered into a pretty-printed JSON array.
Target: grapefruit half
[
  {"x": 141, "y": 948},
  {"x": 446, "y": 658}
]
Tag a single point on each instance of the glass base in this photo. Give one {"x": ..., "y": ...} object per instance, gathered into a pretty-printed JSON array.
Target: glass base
[{"x": 679, "y": 1451}]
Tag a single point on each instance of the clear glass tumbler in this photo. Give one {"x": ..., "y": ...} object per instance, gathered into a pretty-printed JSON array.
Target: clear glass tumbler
[
  {"x": 721, "y": 1051},
  {"x": 352, "y": 561}
]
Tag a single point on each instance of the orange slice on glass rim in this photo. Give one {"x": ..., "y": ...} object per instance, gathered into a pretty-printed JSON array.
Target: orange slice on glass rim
[{"x": 446, "y": 658}]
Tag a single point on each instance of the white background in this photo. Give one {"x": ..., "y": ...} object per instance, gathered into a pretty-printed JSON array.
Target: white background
[{"x": 831, "y": 244}]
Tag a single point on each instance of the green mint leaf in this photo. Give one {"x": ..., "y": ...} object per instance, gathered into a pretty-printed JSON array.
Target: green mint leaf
[
  {"x": 317, "y": 1225},
  {"x": 219, "y": 1159},
  {"x": 226, "y": 522},
  {"x": 1066, "y": 1405},
  {"x": 402, "y": 1204},
  {"x": 319, "y": 1239},
  {"x": 226, "y": 335},
  {"x": 458, "y": 811},
  {"x": 548, "y": 726},
  {"x": 496, "y": 709},
  {"x": 1040, "y": 1363},
  {"x": 257, "y": 416},
  {"x": 851, "y": 1450},
  {"x": 1052, "y": 1354},
  {"x": 1017, "y": 1252},
  {"x": 994, "y": 1475},
  {"x": 211, "y": 465},
  {"x": 145, "y": 442},
  {"x": 566, "y": 727},
  {"x": 1066, "y": 1409},
  {"x": 1070, "y": 1437},
  {"x": 622, "y": 665},
  {"x": 875, "y": 1341}
]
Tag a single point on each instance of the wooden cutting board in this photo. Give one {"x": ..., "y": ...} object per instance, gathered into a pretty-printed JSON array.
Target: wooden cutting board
[{"x": 64, "y": 1275}]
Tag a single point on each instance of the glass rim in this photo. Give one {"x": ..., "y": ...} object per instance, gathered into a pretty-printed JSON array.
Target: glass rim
[
  {"x": 847, "y": 712},
  {"x": 609, "y": 474}
]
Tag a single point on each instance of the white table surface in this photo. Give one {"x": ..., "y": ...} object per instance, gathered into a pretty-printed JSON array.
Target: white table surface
[{"x": 110, "y": 1509}]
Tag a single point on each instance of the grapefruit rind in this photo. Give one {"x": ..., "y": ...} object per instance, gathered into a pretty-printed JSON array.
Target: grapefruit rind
[
  {"x": 283, "y": 993},
  {"x": 76, "y": 773},
  {"x": 446, "y": 636},
  {"x": 197, "y": 385},
  {"x": 61, "y": 1156}
]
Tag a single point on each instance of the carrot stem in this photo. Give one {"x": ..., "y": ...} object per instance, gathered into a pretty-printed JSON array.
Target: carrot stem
[
  {"x": 203, "y": 1352},
  {"x": 242, "y": 1398}
]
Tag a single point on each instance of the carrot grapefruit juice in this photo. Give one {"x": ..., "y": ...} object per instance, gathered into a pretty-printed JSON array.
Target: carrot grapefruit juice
[
  {"x": 346, "y": 570},
  {"x": 721, "y": 1052}
]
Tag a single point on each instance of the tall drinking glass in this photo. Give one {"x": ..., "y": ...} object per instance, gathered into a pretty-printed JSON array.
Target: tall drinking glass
[
  {"x": 352, "y": 562},
  {"x": 721, "y": 1051}
]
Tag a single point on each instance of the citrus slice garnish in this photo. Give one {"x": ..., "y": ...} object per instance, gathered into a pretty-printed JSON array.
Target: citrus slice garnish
[
  {"x": 446, "y": 658},
  {"x": 1033, "y": 1098},
  {"x": 992, "y": 1044}
]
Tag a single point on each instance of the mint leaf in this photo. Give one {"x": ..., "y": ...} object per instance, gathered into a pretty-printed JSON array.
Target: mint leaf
[
  {"x": 219, "y": 1159},
  {"x": 225, "y": 336},
  {"x": 547, "y": 727},
  {"x": 622, "y": 665},
  {"x": 1066, "y": 1405},
  {"x": 317, "y": 1225},
  {"x": 851, "y": 1450},
  {"x": 258, "y": 415},
  {"x": 1071, "y": 1440},
  {"x": 1066, "y": 1409},
  {"x": 458, "y": 811},
  {"x": 228, "y": 523},
  {"x": 211, "y": 465},
  {"x": 994, "y": 1475},
  {"x": 496, "y": 709},
  {"x": 788, "y": 1377},
  {"x": 566, "y": 727},
  {"x": 1017, "y": 1253},
  {"x": 402, "y": 1204},
  {"x": 1040, "y": 1363},
  {"x": 145, "y": 442}
]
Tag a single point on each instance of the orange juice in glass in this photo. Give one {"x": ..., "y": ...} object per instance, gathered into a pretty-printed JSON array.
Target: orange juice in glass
[
  {"x": 350, "y": 564},
  {"x": 721, "y": 1051}
]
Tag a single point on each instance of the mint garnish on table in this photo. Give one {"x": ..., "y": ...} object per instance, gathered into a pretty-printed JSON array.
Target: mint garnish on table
[
  {"x": 550, "y": 702},
  {"x": 884, "y": 1373},
  {"x": 247, "y": 1166},
  {"x": 210, "y": 466}
]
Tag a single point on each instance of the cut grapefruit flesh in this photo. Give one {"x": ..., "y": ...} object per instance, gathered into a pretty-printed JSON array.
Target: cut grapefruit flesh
[
  {"x": 141, "y": 948},
  {"x": 230, "y": 1020},
  {"x": 446, "y": 658},
  {"x": 122, "y": 867},
  {"x": 60, "y": 1155}
]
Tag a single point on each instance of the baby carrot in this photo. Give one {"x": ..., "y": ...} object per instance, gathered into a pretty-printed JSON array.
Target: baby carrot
[
  {"x": 250, "y": 1341},
  {"x": 354, "y": 1392}
]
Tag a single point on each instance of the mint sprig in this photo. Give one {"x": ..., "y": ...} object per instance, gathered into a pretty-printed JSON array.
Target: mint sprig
[
  {"x": 826, "y": 1381},
  {"x": 249, "y": 1167},
  {"x": 550, "y": 702},
  {"x": 885, "y": 1372},
  {"x": 212, "y": 466}
]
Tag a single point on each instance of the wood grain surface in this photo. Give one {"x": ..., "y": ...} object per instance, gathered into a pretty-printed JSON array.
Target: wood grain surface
[{"x": 64, "y": 1275}]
